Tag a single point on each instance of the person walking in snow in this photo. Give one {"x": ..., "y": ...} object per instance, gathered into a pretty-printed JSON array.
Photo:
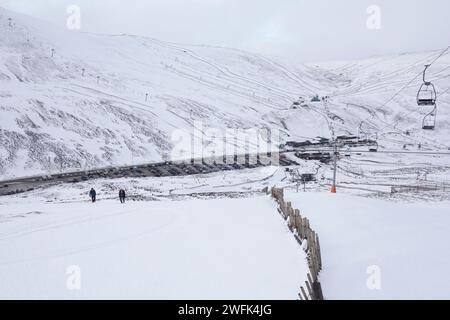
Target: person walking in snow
[
  {"x": 93, "y": 194},
  {"x": 122, "y": 196}
]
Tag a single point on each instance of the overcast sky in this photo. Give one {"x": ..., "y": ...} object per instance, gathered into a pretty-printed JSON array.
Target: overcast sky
[{"x": 305, "y": 30}]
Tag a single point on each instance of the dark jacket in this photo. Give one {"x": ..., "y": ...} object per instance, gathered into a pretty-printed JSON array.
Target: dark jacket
[
  {"x": 122, "y": 193},
  {"x": 92, "y": 193}
]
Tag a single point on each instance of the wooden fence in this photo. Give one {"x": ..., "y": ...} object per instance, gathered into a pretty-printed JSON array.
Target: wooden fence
[{"x": 302, "y": 231}]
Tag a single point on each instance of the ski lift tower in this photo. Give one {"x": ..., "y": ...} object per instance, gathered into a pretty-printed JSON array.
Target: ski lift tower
[{"x": 335, "y": 156}]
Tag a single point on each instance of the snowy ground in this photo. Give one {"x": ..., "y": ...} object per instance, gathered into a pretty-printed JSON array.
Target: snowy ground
[
  {"x": 214, "y": 236},
  {"x": 191, "y": 249},
  {"x": 87, "y": 108},
  {"x": 409, "y": 242}
]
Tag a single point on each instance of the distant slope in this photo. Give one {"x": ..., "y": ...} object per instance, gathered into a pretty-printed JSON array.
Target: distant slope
[{"x": 55, "y": 116}]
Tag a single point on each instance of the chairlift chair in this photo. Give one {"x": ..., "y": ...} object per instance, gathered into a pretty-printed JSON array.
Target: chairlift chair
[
  {"x": 426, "y": 96},
  {"x": 429, "y": 121},
  {"x": 374, "y": 147}
]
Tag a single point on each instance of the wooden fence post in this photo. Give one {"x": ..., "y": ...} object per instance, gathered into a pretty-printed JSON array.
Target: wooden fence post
[
  {"x": 319, "y": 255},
  {"x": 304, "y": 293},
  {"x": 309, "y": 288}
]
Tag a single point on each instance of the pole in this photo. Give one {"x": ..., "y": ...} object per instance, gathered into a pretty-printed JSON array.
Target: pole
[{"x": 333, "y": 187}]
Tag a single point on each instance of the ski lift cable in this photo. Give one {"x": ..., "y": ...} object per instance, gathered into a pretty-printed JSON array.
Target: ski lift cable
[
  {"x": 445, "y": 51},
  {"x": 415, "y": 110},
  {"x": 441, "y": 94},
  {"x": 400, "y": 131},
  {"x": 377, "y": 131},
  {"x": 363, "y": 86}
]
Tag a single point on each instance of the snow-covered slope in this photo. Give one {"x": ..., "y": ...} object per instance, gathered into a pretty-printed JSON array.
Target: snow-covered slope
[
  {"x": 377, "y": 249},
  {"x": 211, "y": 249},
  {"x": 86, "y": 106}
]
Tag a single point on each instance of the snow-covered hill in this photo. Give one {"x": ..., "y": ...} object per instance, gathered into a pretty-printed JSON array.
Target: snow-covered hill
[
  {"x": 211, "y": 249},
  {"x": 216, "y": 237},
  {"x": 86, "y": 106}
]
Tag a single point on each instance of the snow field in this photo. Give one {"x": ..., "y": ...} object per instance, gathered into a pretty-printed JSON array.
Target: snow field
[
  {"x": 197, "y": 249},
  {"x": 408, "y": 243}
]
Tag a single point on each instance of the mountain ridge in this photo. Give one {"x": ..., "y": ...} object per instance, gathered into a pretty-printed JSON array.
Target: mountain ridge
[{"x": 87, "y": 106}]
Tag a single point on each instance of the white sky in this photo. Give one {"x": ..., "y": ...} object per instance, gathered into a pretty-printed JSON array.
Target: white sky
[{"x": 306, "y": 30}]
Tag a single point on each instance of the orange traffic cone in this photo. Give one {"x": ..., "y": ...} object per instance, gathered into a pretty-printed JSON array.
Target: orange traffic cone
[{"x": 333, "y": 189}]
